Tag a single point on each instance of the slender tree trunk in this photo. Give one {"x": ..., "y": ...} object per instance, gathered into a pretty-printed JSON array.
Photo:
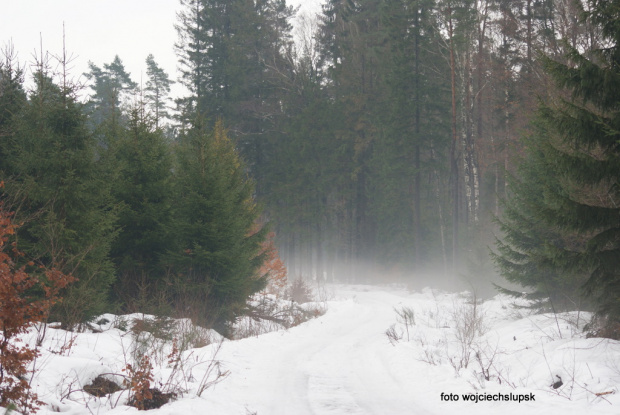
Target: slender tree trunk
[
  {"x": 454, "y": 167},
  {"x": 417, "y": 178},
  {"x": 442, "y": 227},
  {"x": 466, "y": 132},
  {"x": 529, "y": 33},
  {"x": 360, "y": 224},
  {"x": 352, "y": 246},
  {"x": 480, "y": 68},
  {"x": 496, "y": 173},
  {"x": 319, "y": 251}
]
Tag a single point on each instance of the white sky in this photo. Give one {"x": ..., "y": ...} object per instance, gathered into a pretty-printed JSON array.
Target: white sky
[{"x": 97, "y": 30}]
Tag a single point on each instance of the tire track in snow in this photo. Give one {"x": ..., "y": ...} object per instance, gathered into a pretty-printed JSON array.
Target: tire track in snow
[
  {"x": 355, "y": 363},
  {"x": 335, "y": 364}
]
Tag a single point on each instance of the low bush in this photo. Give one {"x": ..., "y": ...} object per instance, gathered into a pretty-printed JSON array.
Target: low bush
[
  {"x": 300, "y": 291},
  {"x": 27, "y": 294}
]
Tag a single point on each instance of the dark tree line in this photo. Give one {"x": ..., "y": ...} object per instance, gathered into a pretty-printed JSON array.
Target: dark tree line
[
  {"x": 141, "y": 221},
  {"x": 397, "y": 124}
]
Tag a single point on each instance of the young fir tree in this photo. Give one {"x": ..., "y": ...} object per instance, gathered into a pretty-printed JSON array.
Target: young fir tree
[
  {"x": 217, "y": 246},
  {"x": 12, "y": 101},
  {"x": 143, "y": 191},
  {"x": 580, "y": 170},
  {"x": 65, "y": 202},
  {"x": 529, "y": 253}
]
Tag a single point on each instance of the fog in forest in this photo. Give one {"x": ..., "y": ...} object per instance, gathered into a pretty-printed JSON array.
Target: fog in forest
[
  {"x": 358, "y": 142},
  {"x": 479, "y": 282}
]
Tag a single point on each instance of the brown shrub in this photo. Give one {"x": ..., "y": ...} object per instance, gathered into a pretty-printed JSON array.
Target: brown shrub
[
  {"x": 143, "y": 396},
  {"x": 26, "y": 295}
]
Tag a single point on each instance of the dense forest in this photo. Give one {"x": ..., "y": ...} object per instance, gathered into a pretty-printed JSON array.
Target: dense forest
[{"x": 379, "y": 137}]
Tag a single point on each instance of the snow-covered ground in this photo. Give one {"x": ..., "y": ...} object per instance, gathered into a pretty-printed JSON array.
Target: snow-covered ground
[{"x": 344, "y": 363}]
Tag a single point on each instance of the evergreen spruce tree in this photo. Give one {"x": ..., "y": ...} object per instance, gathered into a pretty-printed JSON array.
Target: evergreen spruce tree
[
  {"x": 306, "y": 179},
  {"x": 143, "y": 191},
  {"x": 353, "y": 37},
  {"x": 229, "y": 54},
  {"x": 532, "y": 248},
  {"x": 414, "y": 137},
  {"x": 65, "y": 203},
  {"x": 216, "y": 257},
  {"x": 579, "y": 172},
  {"x": 12, "y": 101}
]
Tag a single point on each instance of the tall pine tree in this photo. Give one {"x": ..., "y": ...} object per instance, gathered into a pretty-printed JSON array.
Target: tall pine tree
[
  {"x": 156, "y": 91},
  {"x": 110, "y": 86}
]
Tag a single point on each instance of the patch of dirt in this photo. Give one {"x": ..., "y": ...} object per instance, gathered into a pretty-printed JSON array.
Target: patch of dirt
[
  {"x": 157, "y": 400},
  {"x": 101, "y": 386}
]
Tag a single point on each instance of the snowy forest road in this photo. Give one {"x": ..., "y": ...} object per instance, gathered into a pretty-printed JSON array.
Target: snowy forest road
[
  {"x": 340, "y": 363},
  {"x": 343, "y": 363}
]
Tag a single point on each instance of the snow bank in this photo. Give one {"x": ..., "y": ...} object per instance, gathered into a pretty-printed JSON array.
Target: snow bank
[{"x": 344, "y": 363}]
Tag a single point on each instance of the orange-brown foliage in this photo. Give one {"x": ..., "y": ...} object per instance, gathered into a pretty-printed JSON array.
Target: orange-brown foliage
[
  {"x": 273, "y": 267},
  {"x": 20, "y": 309},
  {"x": 140, "y": 377}
]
